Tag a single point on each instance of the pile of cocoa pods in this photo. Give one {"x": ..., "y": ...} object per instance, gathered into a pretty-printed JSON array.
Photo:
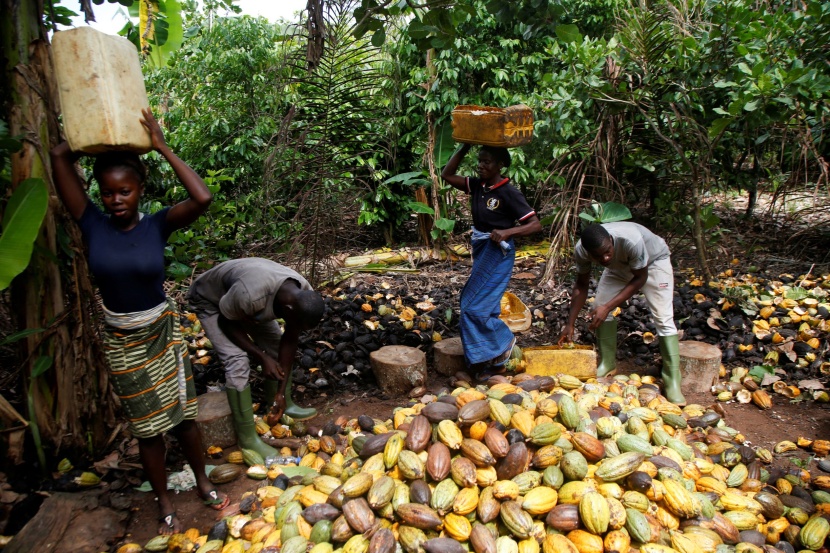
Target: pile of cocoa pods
[{"x": 528, "y": 464}]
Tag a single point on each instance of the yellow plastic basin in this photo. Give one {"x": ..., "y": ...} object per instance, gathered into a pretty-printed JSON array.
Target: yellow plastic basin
[{"x": 575, "y": 360}]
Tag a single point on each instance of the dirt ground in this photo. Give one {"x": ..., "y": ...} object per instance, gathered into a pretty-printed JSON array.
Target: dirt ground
[{"x": 784, "y": 421}]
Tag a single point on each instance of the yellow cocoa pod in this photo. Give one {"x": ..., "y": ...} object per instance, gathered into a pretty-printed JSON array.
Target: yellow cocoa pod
[
  {"x": 586, "y": 542},
  {"x": 308, "y": 460},
  {"x": 457, "y": 527},
  {"x": 743, "y": 520},
  {"x": 666, "y": 519},
  {"x": 392, "y": 449},
  {"x": 734, "y": 500},
  {"x": 477, "y": 430},
  {"x": 308, "y": 496},
  {"x": 547, "y": 407},
  {"x": 523, "y": 422},
  {"x": 486, "y": 476},
  {"x": 610, "y": 489},
  {"x": 371, "y": 465},
  {"x": 529, "y": 545},
  {"x": 500, "y": 412},
  {"x": 617, "y": 541},
  {"x": 710, "y": 484},
  {"x": 557, "y": 543},
  {"x": 357, "y": 485},
  {"x": 539, "y": 500},
  {"x": 465, "y": 501},
  {"x": 684, "y": 544},
  {"x": 656, "y": 548},
  {"x": 468, "y": 395},
  {"x": 449, "y": 434},
  {"x": 678, "y": 500},
  {"x": 505, "y": 490},
  {"x": 571, "y": 492},
  {"x": 616, "y": 512},
  {"x": 594, "y": 513}
]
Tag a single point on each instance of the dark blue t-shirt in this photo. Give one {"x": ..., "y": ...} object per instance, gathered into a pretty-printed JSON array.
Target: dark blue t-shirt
[
  {"x": 497, "y": 207},
  {"x": 128, "y": 266}
]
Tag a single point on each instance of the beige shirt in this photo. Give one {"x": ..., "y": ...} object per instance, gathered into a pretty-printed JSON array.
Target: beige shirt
[
  {"x": 635, "y": 247},
  {"x": 243, "y": 289}
]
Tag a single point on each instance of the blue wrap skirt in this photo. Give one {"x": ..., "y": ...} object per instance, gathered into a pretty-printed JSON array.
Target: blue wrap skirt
[{"x": 486, "y": 338}]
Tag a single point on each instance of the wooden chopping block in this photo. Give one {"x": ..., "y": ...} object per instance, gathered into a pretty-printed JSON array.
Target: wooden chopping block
[
  {"x": 699, "y": 365},
  {"x": 448, "y": 356},
  {"x": 215, "y": 421},
  {"x": 398, "y": 369}
]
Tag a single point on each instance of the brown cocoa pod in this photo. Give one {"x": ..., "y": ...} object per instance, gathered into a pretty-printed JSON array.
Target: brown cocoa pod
[
  {"x": 496, "y": 442},
  {"x": 488, "y": 506},
  {"x": 336, "y": 497},
  {"x": 563, "y": 517},
  {"x": 443, "y": 545},
  {"x": 587, "y": 445},
  {"x": 477, "y": 452},
  {"x": 419, "y": 492},
  {"x": 438, "y": 461},
  {"x": 340, "y": 530},
  {"x": 661, "y": 462},
  {"x": 438, "y": 411},
  {"x": 383, "y": 541},
  {"x": 482, "y": 539},
  {"x": 359, "y": 514},
  {"x": 463, "y": 472},
  {"x": 419, "y": 434},
  {"x": 320, "y": 511},
  {"x": 474, "y": 411},
  {"x": 374, "y": 444},
  {"x": 419, "y": 516},
  {"x": 514, "y": 463}
]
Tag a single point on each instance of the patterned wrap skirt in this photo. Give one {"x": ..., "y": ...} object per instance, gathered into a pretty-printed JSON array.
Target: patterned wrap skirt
[
  {"x": 487, "y": 339},
  {"x": 150, "y": 368}
]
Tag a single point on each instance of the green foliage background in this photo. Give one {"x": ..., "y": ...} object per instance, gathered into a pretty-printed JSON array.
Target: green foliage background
[{"x": 670, "y": 100}]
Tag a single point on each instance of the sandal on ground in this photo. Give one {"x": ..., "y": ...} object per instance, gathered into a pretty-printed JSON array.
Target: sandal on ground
[
  {"x": 214, "y": 500},
  {"x": 495, "y": 366},
  {"x": 169, "y": 526}
]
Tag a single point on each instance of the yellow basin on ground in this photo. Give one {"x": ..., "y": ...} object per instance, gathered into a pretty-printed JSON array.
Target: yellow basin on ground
[{"x": 575, "y": 360}]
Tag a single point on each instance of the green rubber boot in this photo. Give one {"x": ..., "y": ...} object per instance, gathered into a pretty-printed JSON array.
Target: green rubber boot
[
  {"x": 243, "y": 421},
  {"x": 607, "y": 346},
  {"x": 670, "y": 350},
  {"x": 293, "y": 410}
]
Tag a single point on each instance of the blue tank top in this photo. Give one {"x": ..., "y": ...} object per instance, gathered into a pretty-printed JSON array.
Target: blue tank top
[{"x": 128, "y": 266}]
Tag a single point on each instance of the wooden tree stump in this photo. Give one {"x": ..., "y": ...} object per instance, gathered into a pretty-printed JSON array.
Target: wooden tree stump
[
  {"x": 71, "y": 522},
  {"x": 700, "y": 365},
  {"x": 215, "y": 420},
  {"x": 399, "y": 368},
  {"x": 448, "y": 356}
]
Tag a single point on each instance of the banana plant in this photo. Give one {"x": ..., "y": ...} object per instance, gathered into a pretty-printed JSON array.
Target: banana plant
[{"x": 21, "y": 222}]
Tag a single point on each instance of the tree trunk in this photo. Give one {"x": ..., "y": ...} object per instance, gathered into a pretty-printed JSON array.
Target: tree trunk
[
  {"x": 74, "y": 406},
  {"x": 697, "y": 228},
  {"x": 430, "y": 158}
]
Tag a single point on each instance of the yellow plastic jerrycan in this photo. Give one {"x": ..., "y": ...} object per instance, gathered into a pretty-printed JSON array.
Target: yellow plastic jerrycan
[{"x": 101, "y": 91}]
